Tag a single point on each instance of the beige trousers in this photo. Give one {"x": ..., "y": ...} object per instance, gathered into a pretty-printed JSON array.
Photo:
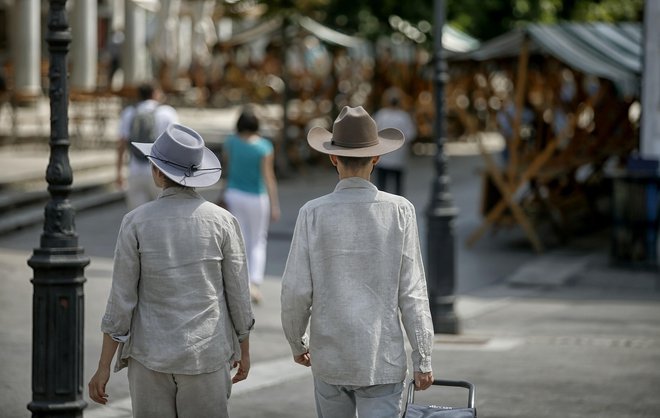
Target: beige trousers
[{"x": 163, "y": 395}]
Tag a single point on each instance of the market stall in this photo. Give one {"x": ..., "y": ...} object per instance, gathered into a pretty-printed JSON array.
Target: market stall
[{"x": 565, "y": 99}]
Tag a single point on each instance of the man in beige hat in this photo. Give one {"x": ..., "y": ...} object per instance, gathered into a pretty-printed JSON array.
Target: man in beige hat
[
  {"x": 178, "y": 314},
  {"x": 354, "y": 265}
]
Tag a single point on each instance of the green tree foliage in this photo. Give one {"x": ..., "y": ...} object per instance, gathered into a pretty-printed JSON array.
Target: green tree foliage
[{"x": 483, "y": 19}]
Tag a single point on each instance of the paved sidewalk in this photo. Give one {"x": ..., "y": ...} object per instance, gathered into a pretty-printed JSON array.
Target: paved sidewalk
[{"x": 589, "y": 348}]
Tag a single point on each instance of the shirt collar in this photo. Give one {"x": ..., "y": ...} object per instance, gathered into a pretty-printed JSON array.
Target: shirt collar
[
  {"x": 180, "y": 191},
  {"x": 355, "y": 183}
]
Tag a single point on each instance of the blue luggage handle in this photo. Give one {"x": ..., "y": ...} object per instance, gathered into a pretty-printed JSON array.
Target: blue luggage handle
[{"x": 442, "y": 382}]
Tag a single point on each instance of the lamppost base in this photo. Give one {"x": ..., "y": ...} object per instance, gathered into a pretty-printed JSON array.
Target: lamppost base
[
  {"x": 447, "y": 323},
  {"x": 64, "y": 409}
]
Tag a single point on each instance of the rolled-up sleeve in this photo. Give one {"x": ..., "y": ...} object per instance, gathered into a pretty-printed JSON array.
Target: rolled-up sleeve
[
  {"x": 296, "y": 297},
  {"x": 413, "y": 297},
  {"x": 236, "y": 281},
  {"x": 123, "y": 296}
]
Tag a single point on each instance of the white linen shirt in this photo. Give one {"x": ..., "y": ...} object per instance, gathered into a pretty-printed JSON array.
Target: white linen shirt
[
  {"x": 164, "y": 116},
  {"x": 388, "y": 117},
  {"x": 179, "y": 301},
  {"x": 354, "y": 265}
]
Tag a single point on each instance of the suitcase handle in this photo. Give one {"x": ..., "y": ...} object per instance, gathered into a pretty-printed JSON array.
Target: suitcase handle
[{"x": 442, "y": 382}]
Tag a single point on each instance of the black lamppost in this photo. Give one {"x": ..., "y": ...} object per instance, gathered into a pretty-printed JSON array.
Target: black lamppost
[
  {"x": 58, "y": 264},
  {"x": 441, "y": 210}
]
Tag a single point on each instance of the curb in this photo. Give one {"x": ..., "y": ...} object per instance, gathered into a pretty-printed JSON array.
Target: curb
[{"x": 35, "y": 215}]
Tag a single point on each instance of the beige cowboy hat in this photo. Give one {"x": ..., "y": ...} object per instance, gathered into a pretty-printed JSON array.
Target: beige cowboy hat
[
  {"x": 354, "y": 134},
  {"x": 180, "y": 154}
]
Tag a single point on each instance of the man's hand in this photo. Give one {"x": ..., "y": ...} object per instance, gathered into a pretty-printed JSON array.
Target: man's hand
[
  {"x": 423, "y": 380},
  {"x": 97, "y": 385},
  {"x": 243, "y": 369},
  {"x": 303, "y": 359},
  {"x": 243, "y": 364}
]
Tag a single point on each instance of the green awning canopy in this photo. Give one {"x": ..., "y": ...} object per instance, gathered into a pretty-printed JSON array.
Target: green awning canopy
[
  {"x": 456, "y": 41},
  {"x": 453, "y": 40},
  {"x": 609, "y": 51}
]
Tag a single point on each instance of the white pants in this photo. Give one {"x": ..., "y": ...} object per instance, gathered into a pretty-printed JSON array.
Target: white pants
[
  {"x": 163, "y": 395},
  {"x": 378, "y": 401},
  {"x": 253, "y": 214}
]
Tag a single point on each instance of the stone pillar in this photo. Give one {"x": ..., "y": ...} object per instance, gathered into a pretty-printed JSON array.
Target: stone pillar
[
  {"x": 26, "y": 47},
  {"x": 84, "y": 48},
  {"x": 134, "y": 53}
]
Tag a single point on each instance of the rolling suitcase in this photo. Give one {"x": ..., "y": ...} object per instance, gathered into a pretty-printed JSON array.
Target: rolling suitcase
[{"x": 413, "y": 410}]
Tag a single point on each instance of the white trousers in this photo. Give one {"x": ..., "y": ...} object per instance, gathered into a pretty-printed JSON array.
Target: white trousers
[
  {"x": 163, "y": 395},
  {"x": 253, "y": 214},
  {"x": 378, "y": 401}
]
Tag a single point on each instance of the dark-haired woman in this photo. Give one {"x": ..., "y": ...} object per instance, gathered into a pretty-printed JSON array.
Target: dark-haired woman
[{"x": 251, "y": 193}]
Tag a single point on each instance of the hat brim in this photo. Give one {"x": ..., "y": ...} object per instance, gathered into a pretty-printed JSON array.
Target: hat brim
[
  {"x": 389, "y": 139},
  {"x": 207, "y": 174}
]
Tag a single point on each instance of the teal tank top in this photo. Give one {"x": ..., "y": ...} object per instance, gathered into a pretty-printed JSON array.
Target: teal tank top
[{"x": 245, "y": 159}]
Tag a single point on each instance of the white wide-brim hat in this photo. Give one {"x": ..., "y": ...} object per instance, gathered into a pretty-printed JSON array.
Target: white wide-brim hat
[
  {"x": 354, "y": 134},
  {"x": 179, "y": 153}
]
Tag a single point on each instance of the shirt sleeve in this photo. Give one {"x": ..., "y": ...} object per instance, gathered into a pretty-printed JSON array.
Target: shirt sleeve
[
  {"x": 236, "y": 281},
  {"x": 413, "y": 297},
  {"x": 296, "y": 297},
  {"x": 124, "y": 290}
]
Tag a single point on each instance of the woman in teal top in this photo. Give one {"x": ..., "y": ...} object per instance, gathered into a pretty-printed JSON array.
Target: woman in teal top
[{"x": 251, "y": 194}]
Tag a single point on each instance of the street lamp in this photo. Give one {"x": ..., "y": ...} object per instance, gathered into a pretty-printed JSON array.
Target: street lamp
[
  {"x": 58, "y": 264},
  {"x": 441, "y": 210}
]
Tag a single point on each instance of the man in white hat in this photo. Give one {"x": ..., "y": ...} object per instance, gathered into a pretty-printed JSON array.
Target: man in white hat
[
  {"x": 178, "y": 314},
  {"x": 354, "y": 265}
]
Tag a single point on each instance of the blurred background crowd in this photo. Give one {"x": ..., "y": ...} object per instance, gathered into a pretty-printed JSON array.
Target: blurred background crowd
[{"x": 559, "y": 83}]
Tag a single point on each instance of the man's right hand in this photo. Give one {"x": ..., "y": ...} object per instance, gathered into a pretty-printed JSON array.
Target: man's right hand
[
  {"x": 97, "y": 385},
  {"x": 303, "y": 359},
  {"x": 423, "y": 381}
]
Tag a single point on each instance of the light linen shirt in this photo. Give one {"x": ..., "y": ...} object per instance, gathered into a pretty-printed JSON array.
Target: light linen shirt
[
  {"x": 180, "y": 299},
  {"x": 164, "y": 116},
  {"x": 354, "y": 265},
  {"x": 388, "y": 117}
]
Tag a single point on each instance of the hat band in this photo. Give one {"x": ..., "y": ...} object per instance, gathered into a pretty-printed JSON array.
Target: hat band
[
  {"x": 189, "y": 171},
  {"x": 363, "y": 144}
]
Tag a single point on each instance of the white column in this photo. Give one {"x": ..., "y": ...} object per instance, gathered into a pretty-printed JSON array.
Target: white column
[
  {"x": 84, "y": 49},
  {"x": 118, "y": 8},
  {"x": 26, "y": 47},
  {"x": 204, "y": 33},
  {"x": 134, "y": 53},
  {"x": 650, "y": 129}
]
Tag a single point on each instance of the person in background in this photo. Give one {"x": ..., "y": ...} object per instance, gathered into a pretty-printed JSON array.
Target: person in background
[
  {"x": 355, "y": 274},
  {"x": 251, "y": 192},
  {"x": 144, "y": 121},
  {"x": 392, "y": 166},
  {"x": 179, "y": 313},
  {"x": 114, "y": 55}
]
